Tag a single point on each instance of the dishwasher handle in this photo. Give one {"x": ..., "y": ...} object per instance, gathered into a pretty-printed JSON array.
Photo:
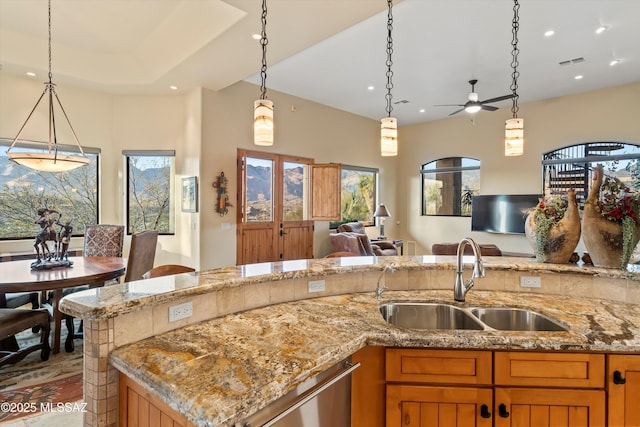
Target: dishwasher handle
[{"x": 350, "y": 367}]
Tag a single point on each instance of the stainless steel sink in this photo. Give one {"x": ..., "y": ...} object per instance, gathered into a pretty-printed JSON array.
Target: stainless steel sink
[
  {"x": 516, "y": 319},
  {"x": 428, "y": 316}
]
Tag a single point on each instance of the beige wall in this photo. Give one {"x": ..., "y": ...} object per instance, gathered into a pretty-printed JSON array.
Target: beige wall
[
  {"x": 112, "y": 123},
  {"x": 303, "y": 128},
  {"x": 602, "y": 115},
  {"x": 206, "y": 128}
]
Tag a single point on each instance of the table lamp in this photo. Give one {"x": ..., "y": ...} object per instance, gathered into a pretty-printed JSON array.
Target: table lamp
[{"x": 381, "y": 212}]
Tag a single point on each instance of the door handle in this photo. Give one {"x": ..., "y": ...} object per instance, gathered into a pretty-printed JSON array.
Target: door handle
[
  {"x": 618, "y": 378},
  {"x": 502, "y": 411},
  {"x": 484, "y": 411},
  {"x": 282, "y": 233}
]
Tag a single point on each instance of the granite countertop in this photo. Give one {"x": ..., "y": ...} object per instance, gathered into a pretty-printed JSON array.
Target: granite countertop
[{"x": 220, "y": 371}]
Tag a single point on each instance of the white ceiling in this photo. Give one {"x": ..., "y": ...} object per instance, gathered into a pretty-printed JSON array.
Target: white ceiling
[{"x": 328, "y": 51}]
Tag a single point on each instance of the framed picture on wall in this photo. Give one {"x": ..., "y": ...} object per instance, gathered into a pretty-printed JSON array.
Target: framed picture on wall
[{"x": 190, "y": 194}]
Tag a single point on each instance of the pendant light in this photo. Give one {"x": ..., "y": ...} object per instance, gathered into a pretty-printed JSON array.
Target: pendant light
[
  {"x": 49, "y": 160},
  {"x": 263, "y": 108},
  {"x": 514, "y": 127},
  {"x": 389, "y": 125}
]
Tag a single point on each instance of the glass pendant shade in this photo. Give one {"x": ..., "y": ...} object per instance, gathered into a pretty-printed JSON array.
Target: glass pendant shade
[
  {"x": 48, "y": 161},
  {"x": 389, "y": 136},
  {"x": 263, "y": 122},
  {"x": 514, "y": 137}
]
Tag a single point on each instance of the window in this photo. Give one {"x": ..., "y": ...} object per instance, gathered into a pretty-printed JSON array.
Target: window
[
  {"x": 572, "y": 166},
  {"x": 23, "y": 190},
  {"x": 359, "y": 195},
  {"x": 448, "y": 185},
  {"x": 150, "y": 194}
]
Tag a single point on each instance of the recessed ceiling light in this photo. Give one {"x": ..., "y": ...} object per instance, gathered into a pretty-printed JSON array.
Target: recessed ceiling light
[
  {"x": 578, "y": 77},
  {"x": 256, "y": 36},
  {"x": 549, "y": 33},
  {"x": 370, "y": 88},
  {"x": 601, "y": 29},
  {"x": 614, "y": 62},
  {"x": 422, "y": 110},
  {"x": 31, "y": 74},
  {"x": 173, "y": 87}
]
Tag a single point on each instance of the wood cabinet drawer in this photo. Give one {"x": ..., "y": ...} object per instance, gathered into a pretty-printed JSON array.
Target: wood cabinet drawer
[
  {"x": 438, "y": 366},
  {"x": 573, "y": 370}
]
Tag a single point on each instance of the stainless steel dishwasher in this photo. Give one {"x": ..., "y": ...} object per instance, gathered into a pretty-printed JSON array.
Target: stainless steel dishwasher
[{"x": 322, "y": 401}]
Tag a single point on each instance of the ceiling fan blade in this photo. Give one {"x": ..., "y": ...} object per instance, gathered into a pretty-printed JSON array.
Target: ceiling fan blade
[
  {"x": 500, "y": 98},
  {"x": 456, "y": 112},
  {"x": 449, "y": 105},
  {"x": 489, "y": 107}
]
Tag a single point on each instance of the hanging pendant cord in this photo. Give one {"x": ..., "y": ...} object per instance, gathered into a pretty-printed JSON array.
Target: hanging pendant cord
[
  {"x": 389, "y": 97},
  {"x": 263, "y": 42},
  {"x": 514, "y": 58}
]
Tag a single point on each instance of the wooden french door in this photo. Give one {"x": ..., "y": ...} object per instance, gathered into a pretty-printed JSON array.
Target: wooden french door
[{"x": 273, "y": 208}]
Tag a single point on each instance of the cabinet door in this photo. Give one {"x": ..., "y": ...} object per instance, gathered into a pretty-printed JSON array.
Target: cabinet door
[
  {"x": 522, "y": 407},
  {"x": 422, "y": 406},
  {"x": 624, "y": 390}
]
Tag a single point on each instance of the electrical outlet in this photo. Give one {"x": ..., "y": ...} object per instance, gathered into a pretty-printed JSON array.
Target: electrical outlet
[
  {"x": 530, "y": 282},
  {"x": 316, "y": 286},
  {"x": 180, "y": 311}
]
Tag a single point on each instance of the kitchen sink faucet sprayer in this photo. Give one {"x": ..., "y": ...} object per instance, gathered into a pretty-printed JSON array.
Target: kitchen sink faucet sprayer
[
  {"x": 381, "y": 289},
  {"x": 460, "y": 287}
]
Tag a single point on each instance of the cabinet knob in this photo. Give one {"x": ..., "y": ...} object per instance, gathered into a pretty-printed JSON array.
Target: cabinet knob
[
  {"x": 484, "y": 411},
  {"x": 502, "y": 411},
  {"x": 618, "y": 378}
]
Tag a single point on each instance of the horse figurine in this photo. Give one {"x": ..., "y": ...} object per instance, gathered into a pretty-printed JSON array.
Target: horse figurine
[
  {"x": 63, "y": 239},
  {"x": 47, "y": 232}
]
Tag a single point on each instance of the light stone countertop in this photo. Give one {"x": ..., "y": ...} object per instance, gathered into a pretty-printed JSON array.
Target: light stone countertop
[
  {"x": 219, "y": 371},
  {"x": 113, "y": 301}
]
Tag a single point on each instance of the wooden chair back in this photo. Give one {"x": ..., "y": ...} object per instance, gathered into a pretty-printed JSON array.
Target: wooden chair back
[
  {"x": 142, "y": 254},
  {"x": 167, "y": 270}
]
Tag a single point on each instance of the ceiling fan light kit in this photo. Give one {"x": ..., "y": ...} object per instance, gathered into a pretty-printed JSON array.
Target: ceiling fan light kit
[
  {"x": 263, "y": 108},
  {"x": 472, "y": 105},
  {"x": 389, "y": 125},
  {"x": 514, "y": 127}
]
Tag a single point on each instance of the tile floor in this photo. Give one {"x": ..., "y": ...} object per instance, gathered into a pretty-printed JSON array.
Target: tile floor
[{"x": 71, "y": 419}]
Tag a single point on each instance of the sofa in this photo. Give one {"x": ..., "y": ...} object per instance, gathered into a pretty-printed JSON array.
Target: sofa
[{"x": 351, "y": 237}]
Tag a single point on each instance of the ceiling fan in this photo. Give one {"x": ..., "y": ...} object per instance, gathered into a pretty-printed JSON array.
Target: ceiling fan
[{"x": 473, "y": 105}]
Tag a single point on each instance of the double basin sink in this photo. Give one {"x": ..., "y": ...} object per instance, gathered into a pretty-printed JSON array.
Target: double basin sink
[{"x": 423, "y": 315}]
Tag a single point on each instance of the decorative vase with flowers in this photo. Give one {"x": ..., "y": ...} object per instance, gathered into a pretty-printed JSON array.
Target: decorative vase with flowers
[
  {"x": 610, "y": 228},
  {"x": 553, "y": 228}
]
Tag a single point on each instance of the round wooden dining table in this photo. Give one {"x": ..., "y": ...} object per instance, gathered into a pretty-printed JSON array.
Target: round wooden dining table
[{"x": 17, "y": 276}]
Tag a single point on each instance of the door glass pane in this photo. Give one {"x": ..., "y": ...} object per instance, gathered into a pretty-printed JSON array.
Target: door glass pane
[
  {"x": 259, "y": 190},
  {"x": 295, "y": 191}
]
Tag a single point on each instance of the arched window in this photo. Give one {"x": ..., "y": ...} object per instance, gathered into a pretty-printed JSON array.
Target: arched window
[
  {"x": 448, "y": 185},
  {"x": 572, "y": 166}
]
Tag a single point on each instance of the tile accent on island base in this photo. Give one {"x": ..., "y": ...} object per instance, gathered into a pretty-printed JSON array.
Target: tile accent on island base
[{"x": 115, "y": 330}]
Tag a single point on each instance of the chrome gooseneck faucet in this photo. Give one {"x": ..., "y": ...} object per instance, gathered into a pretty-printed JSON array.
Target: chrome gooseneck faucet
[
  {"x": 460, "y": 287},
  {"x": 381, "y": 289}
]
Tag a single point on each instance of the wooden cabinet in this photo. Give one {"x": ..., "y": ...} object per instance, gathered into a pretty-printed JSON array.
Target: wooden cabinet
[
  {"x": 458, "y": 393},
  {"x": 422, "y": 406},
  {"x": 569, "y": 389},
  {"x": 623, "y": 385},
  {"x": 483, "y": 388},
  {"x": 137, "y": 407}
]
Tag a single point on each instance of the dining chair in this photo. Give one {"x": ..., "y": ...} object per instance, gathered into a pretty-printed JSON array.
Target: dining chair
[
  {"x": 103, "y": 240},
  {"x": 99, "y": 240},
  {"x": 142, "y": 254},
  {"x": 14, "y": 321},
  {"x": 167, "y": 270}
]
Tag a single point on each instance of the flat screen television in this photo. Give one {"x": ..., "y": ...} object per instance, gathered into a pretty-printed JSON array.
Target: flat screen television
[{"x": 502, "y": 213}]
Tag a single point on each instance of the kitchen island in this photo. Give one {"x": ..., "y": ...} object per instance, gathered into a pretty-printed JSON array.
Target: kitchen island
[{"x": 257, "y": 332}]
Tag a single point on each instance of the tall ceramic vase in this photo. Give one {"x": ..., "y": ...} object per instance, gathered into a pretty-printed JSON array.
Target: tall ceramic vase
[
  {"x": 603, "y": 238},
  {"x": 562, "y": 238}
]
